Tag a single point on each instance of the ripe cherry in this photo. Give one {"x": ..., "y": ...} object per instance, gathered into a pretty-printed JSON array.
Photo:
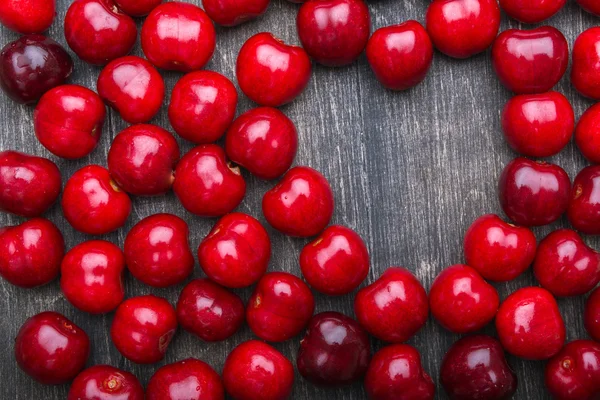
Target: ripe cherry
[
  {"x": 531, "y": 12},
  {"x": 574, "y": 373},
  {"x": 137, "y": 8},
  {"x": 591, "y": 6},
  {"x": 106, "y": 383},
  {"x": 232, "y": 13},
  {"x": 190, "y": 379},
  {"x": 587, "y": 134},
  {"x": 591, "y": 316},
  {"x": 585, "y": 70},
  {"x": 584, "y": 206},
  {"x": 27, "y": 16}
]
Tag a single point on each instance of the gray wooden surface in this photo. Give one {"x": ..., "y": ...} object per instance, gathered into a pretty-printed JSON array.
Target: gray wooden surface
[{"x": 410, "y": 172}]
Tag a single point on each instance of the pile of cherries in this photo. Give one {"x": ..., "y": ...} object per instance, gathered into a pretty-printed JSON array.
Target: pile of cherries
[{"x": 144, "y": 160}]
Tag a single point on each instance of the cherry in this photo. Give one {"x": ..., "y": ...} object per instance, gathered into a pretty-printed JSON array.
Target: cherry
[
  {"x": 92, "y": 276},
  {"x": 394, "y": 307},
  {"x": 232, "y": 13},
  {"x": 143, "y": 327},
  {"x": 157, "y": 251},
  {"x": 475, "y": 368},
  {"x": 334, "y": 32},
  {"x": 209, "y": 311},
  {"x": 30, "y": 184},
  {"x": 202, "y": 106},
  {"x": 529, "y": 324},
  {"x": 461, "y": 300},
  {"x": 190, "y": 379},
  {"x": 68, "y": 121},
  {"x": 142, "y": 160},
  {"x": 531, "y": 12},
  {"x": 206, "y": 184},
  {"x": 51, "y": 349},
  {"x": 530, "y": 61},
  {"x": 93, "y": 203},
  {"x": 400, "y": 55},
  {"x": 104, "y": 382},
  {"x": 137, "y": 8},
  {"x": 336, "y": 262},
  {"x": 574, "y": 373},
  {"x": 98, "y": 32},
  {"x": 256, "y": 371},
  {"x": 538, "y": 125},
  {"x": 178, "y": 36},
  {"x": 280, "y": 307},
  {"x": 591, "y": 316},
  {"x": 590, "y": 6},
  {"x": 133, "y": 87},
  {"x": 587, "y": 134},
  {"x": 533, "y": 193},
  {"x": 585, "y": 70},
  {"x": 462, "y": 28},
  {"x": 270, "y": 72},
  {"x": 584, "y": 206},
  {"x": 31, "y": 253},
  {"x": 236, "y": 252},
  {"x": 264, "y": 141},
  {"x": 301, "y": 204},
  {"x": 32, "y": 65},
  {"x": 27, "y": 16}
]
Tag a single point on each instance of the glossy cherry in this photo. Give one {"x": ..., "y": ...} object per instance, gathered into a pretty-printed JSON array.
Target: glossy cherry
[
  {"x": 202, "y": 106},
  {"x": 270, "y": 72},
  {"x": 103, "y": 382},
  {"x": 585, "y": 70},
  {"x": 574, "y": 373},
  {"x": 27, "y": 16},
  {"x": 190, "y": 379},
  {"x": 280, "y": 307},
  {"x": 531, "y": 12},
  {"x": 591, "y": 316},
  {"x": 51, "y": 349},
  {"x": 137, "y": 8},
  {"x": 143, "y": 327},
  {"x": 584, "y": 205},
  {"x": 591, "y": 6},
  {"x": 529, "y": 324},
  {"x": 232, "y": 12},
  {"x": 236, "y": 252},
  {"x": 587, "y": 134}
]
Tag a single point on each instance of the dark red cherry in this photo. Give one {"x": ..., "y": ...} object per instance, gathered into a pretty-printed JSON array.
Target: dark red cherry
[
  {"x": 190, "y": 379},
  {"x": 584, "y": 205},
  {"x": 137, "y": 8},
  {"x": 532, "y": 11},
  {"x": 27, "y": 16},
  {"x": 103, "y": 382},
  {"x": 591, "y": 316},
  {"x": 233, "y": 12},
  {"x": 591, "y": 6},
  {"x": 585, "y": 69},
  {"x": 574, "y": 373},
  {"x": 587, "y": 134}
]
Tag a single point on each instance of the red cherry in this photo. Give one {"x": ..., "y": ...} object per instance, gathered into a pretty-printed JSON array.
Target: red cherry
[
  {"x": 587, "y": 134},
  {"x": 462, "y": 28},
  {"x": 529, "y": 324},
  {"x": 143, "y": 327},
  {"x": 334, "y": 32},
  {"x": 137, "y": 8},
  {"x": 530, "y": 61},
  {"x": 400, "y": 55},
  {"x": 591, "y": 6},
  {"x": 142, "y": 160},
  {"x": 574, "y": 373},
  {"x": 394, "y": 307},
  {"x": 68, "y": 121},
  {"x": 254, "y": 370},
  {"x": 30, "y": 184},
  {"x": 232, "y": 13},
  {"x": 27, "y": 16},
  {"x": 301, "y": 204},
  {"x": 190, "y": 379},
  {"x": 584, "y": 206},
  {"x": 93, "y": 203},
  {"x": 236, "y": 252},
  {"x": 585, "y": 71},
  {"x": 206, "y": 184},
  {"x": 106, "y": 383},
  {"x": 31, "y": 253},
  {"x": 51, "y": 349},
  {"x": 499, "y": 251},
  {"x": 336, "y": 262},
  {"x": 264, "y": 141},
  {"x": 178, "y": 36},
  {"x": 209, "y": 311},
  {"x": 270, "y": 72},
  {"x": 280, "y": 307},
  {"x": 591, "y": 317},
  {"x": 92, "y": 276},
  {"x": 202, "y": 106},
  {"x": 531, "y": 12}
]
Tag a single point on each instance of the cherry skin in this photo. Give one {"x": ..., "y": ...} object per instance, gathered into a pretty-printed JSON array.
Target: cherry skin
[
  {"x": 584, "y": 205},
  {"x": 178, "y": 36},
  {"x": 334, "y": 32},
  {"x": 98, "y": 32},
  {"x": 30, "y": 184},
  {"x": 51, "y": 349},
  {"x": 591, "y": 316},
  {"x": 530, "y": 61},
  {"x": 280, "y": 307},
  {"x": 394, "y": 307},
  {"x": 143, "y": 327},
  {"x": 475, "y": 368},
  {"x": 209, "y": 311},
  {"x": 93, "y": 203},
  {"x": 142, "y": 160},
  {"x": 400, "y": 55},
  {"x": 137, "y": 8},
  {"x": 590, "y": 6},
  {"x": 585, "y": 70},
  {"x": 68, "y": 121},
  {"x": 190, "y": 379},
  {"x": 31, "y": 253},
  {"x": 529, "y": 324},
  {"x": 206, "y": 184},
  {"x": 256, "y": 371},
  {"x": 587, "y": 134},
  {"x": 533, "y": 193},
  {"x": 202, "y": 106},
  {"x": 336, "y": 262},
  {"x": 232, "y": 13},
  {"x": 157, "y": 251},
  {"x": 531, "y": 12},
  {"x": 27, "y": 16},
  {"x": 301, "y": 204},
  {"x": 264, "y": 141},
  {"x": 236, "y": 252},
  {"x": 106, "y": 383},
  {"x": 32, "y": 65},
  {"x": 573, "y": 374},
  {"x": 270, "y": 72}
]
